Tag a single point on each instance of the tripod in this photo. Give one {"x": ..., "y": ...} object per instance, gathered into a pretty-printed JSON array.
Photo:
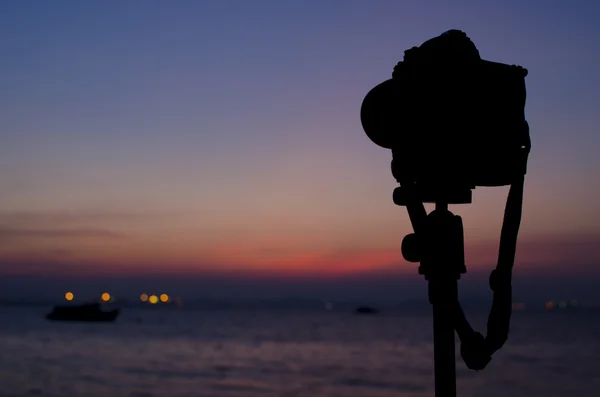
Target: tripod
[
  {"x": 438, "y": 244},
  {"x": 432, "y": 113}
]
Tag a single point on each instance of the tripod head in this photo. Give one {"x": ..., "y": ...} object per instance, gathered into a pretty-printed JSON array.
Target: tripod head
[{"x": 452, "y": 120}]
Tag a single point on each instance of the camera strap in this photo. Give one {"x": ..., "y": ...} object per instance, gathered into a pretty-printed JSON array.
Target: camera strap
[{"x": 477, "y": 350}]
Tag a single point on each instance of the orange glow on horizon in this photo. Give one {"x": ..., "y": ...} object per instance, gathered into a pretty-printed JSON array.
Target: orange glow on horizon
[
  {"x": 105, "y": 297},
  {"x": 274, "y": 261},
  {"x": 164, "y": 298},
  {"x": 69, "y": 296},
  {"x": 311, "y": 263}
]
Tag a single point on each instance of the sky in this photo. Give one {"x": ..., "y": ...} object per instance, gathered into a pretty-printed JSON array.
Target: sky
[{"x": 217, "y": 146}]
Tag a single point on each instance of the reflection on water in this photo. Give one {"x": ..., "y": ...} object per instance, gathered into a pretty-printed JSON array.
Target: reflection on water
[{"x": 232, "y": 353}]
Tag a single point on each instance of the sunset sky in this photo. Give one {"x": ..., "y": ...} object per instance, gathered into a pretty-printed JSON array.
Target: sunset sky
[{"x": 221, "y": 140}]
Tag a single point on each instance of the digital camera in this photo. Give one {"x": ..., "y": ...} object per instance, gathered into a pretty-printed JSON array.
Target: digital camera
[{"x": 451, "y": 119}]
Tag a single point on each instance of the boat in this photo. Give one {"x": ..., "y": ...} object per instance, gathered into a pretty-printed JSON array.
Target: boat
[
  {"x": 90, "y": 312},
  {"x": 366, "y": 310}
]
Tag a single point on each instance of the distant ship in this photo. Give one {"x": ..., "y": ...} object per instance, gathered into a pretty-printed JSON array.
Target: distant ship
[
  {"x": 366, "y": 310},
  {"x": 90, "y": 312}
]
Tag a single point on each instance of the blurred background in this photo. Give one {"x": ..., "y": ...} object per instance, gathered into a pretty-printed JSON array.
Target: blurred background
[{"x": 212, "y": 151}]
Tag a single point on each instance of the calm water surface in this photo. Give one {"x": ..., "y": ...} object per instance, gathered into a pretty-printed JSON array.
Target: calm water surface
[{"x": 151, "y": 353}]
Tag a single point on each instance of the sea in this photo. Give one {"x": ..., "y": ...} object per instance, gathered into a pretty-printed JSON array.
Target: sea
[{"x": 292, "y": 353}]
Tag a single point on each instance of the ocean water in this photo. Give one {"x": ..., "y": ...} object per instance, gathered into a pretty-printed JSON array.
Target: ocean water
[{"x": 151, "y": 353}]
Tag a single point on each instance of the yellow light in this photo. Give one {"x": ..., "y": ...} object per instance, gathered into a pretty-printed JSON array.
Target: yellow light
[
  {"x": 164, "y": 298},
  {"x": 153, "y": 299},
  {"x": 106, "y": 297},
  {"x": 69, "y": 296},
  {"x": 144, "y": 297}
]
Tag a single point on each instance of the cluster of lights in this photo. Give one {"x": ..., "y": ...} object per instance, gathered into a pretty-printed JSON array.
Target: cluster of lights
[
  {"x": 552, "y": 305},
  {"x": 154, "y": 299}
]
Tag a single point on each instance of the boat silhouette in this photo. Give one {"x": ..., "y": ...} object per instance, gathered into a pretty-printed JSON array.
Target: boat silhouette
[
  {"x": 90, "y": 312},
  {"x": 366, "y": 310}
]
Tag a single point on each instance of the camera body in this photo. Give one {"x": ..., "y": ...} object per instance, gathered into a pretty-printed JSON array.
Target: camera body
[{"x": 452, "y": 120}]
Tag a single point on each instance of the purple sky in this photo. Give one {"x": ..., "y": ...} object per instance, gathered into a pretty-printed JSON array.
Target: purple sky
[{"x": 220, "y": 138}]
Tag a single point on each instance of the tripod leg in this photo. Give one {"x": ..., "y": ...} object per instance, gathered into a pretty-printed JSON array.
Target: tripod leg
[{"x": 443, "y": 338}]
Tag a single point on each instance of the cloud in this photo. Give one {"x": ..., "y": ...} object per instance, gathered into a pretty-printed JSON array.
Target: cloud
[
  {"x": 70, "y": 217},
  {"x": 17, "y": 233},
  {"x": 40, "y": 267},
  {"x": 28, "y": 225}
]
